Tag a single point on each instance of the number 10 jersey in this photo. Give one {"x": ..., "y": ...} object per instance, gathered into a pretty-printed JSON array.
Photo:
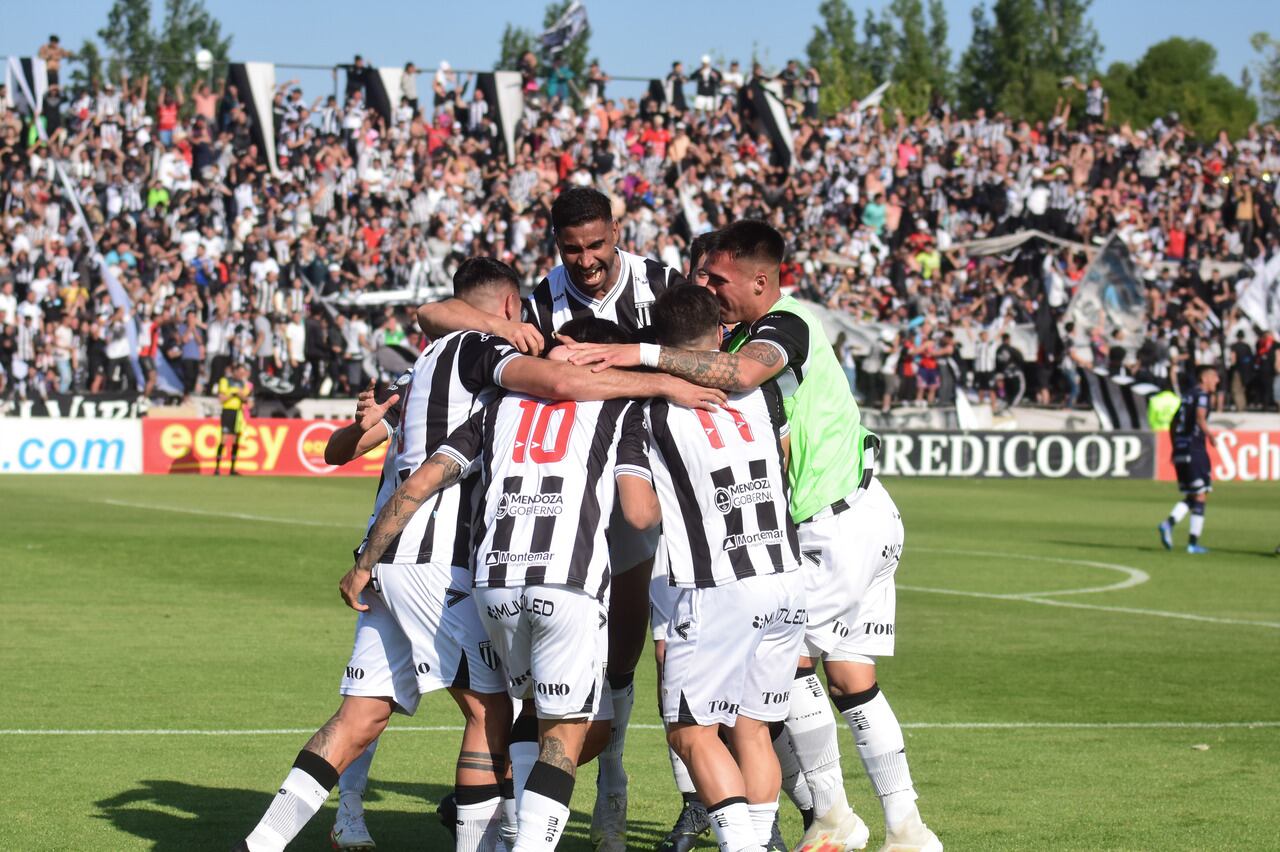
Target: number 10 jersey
[{"x": 547, "y": 479}]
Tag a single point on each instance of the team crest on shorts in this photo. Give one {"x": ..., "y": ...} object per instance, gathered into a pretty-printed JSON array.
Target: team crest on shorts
[{"x": 487, "y": 654}]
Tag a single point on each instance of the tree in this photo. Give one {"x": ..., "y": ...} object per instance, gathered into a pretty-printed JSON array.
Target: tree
[
  {"x": 1177, "y": 75},
  {"x": 920, "y": 64},
  {"x": 841, "y": 59},
  {"x": 517, "y": 41},
  {"x": 167, "y": 55},
  {"x": 1268, "y": 68},
  {"x": 1017, "y": 58},
  {"x": 87, "y": 72}
]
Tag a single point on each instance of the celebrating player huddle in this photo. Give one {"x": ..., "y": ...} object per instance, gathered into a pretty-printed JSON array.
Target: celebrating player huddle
[{"x": 533, "y": 511}]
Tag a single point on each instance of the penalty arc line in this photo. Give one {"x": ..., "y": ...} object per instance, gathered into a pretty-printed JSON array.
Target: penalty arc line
[{"x": 950, "y": 726}]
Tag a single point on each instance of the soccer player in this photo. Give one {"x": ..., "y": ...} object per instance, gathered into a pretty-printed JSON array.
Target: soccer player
[
  {"x": 419, "y": 631},
  {"x": 850, "y": 531},
  {"x": 595, "y": 278},
  {"x": 1190, "y": 434},
  {"x": 236, "y": 395},
  {"x": 731, "y": 556},
  {"x": 541, "y": 568}
]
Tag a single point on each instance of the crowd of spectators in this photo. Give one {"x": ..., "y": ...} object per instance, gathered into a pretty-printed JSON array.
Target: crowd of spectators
[{"x": 225, "y": 262}]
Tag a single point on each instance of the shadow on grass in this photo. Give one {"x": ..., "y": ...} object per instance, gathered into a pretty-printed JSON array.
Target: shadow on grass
[
  {"x": 1156, "y": 548},
  {"x": 174, "y": 816}
]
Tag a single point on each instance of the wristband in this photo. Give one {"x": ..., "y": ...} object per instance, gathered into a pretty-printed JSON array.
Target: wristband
[{"x": 649, "y": 353}]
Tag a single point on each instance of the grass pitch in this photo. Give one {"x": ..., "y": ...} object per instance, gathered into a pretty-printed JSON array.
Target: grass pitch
[{"x": 160, "y": 631}]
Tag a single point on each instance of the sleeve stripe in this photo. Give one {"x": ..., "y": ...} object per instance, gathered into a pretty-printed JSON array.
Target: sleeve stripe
[
  {"x": 502, "y": 365},
  {"x": 632, "y": 470},
  {"x": 461, "y": 458}
]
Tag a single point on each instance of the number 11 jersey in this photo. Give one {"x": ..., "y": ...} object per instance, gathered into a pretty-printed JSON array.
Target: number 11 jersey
[{"x": 547, "y": 479}]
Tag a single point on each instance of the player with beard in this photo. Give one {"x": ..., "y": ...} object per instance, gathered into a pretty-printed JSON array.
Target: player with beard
[
  {"x": 850, "y": 531},
  {"x": 595, "y": 278}
]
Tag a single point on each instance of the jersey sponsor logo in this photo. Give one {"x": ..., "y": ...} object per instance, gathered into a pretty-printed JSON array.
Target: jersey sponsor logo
[
  {"x": 423, "y": 668},
  {"x": 741, "y": 494},
  {"x": 876, "y": 629},
  {"x": 774, "y": 697},
  {"x": 453, "y": 596},
  {"x": 530, "y": 504},
  {"x": 682, "y": 629},
  {"x": 506, "y": 557},
  {"x": 740, "y": 540},
  {"x": 355, "y": 673},
  {"x": 892, "y": 552},
  {"x": 722, "y": 706},
  {"x": 783, "y": 615},
  {"x": 506, "y": 609}
]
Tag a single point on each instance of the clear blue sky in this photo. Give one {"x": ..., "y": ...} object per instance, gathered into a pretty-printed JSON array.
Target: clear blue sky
[{"x": 630, "y": 38}]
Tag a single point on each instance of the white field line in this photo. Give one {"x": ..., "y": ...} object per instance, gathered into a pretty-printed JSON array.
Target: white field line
[
  {"x": 1134, "y": 577},
  {"x": 950, "y": 726},
  {"x": 242, "y": 516}
]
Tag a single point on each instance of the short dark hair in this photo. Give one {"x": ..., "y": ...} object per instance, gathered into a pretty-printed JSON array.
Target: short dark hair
[
  {"x": 686, "y": 314},
  {"x": 1205, "y": 368},
  {"x": 578, "y": 206},
  {"x": 594, "y": 330},
  {"x": 700, "y": 246},
  {"x": 477, "y": 272},
  {"x": 752, "y": 239}
]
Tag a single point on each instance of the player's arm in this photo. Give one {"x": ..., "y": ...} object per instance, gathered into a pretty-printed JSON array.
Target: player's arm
[
  {"x": 1202, "y": 420},
  {"x": 368, "y": 430},
  {"x": 634, "y": 478},
  {"x": 449, "y": 315},
  {"x": 776, "y": 340},
  {"x": 558, "y": 380}
]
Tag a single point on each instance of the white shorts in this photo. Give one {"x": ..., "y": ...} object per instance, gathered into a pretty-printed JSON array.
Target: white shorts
[
  {"x": 849, "y": 561},
  {"x": 662, "y": 598},
  {"x": 704, "y": 103},
  {"x": 733, "y": 650},
  {"x": 554, "y": 640},
  {"x": 421, "y": 633},
  {"x": 628, "y": 546}
]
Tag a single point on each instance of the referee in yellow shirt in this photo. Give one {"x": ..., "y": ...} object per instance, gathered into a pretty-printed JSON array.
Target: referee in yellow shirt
[{"x": 235, "y": 394}]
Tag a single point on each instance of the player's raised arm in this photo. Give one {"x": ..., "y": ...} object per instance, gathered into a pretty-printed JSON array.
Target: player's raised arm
[
  {"x": 552, "y": 380},
  {"x": 449, "y": 315},
  {"x": 369, "y": 429},
  {"x": 751, "y": 366}
]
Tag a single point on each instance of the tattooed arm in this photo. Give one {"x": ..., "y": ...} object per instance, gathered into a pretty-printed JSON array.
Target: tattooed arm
[
  {"x": 749, "y": 367},
  {"x": 436, "y": 473}
]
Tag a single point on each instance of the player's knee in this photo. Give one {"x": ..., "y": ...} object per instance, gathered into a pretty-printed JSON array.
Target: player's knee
[
  {"x": 845, "y": 679},
  {"x": 685, "y": 738},
  {"x": 1197, "y": 508},
  {"x": 848, "y": 701}
]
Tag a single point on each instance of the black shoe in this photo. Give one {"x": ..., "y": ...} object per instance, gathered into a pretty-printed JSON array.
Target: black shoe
[
  {"x": 806, "y": 817},
  {"x": 691, "y": 824},
  {"x": 240, "y": 847},
  {"x": 447, "y": 810},
  {"x": 217, "y": 471}
]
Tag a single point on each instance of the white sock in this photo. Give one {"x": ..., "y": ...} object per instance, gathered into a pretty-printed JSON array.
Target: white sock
[
  {"x": 731, "y": 822},
  {"x": 507, "y": 825},
  {"x": 301, "y": 795},
  {"x": 684, "y": 783},
  {"x": 878, "y": 736},
  {"x": 793, "y": 780},
  {"x": 762, "y": 817},
  {"x": 353, "y": 781},
  {"x": 524, "y": 755},
  {"x": 1197, "y": 525},
  {"x": 1179, "y": 512},
  {"x": 478, "y": 824},
  {"x": 612, "y": 778},
  {"x": 544, "y": 809},
  {"x": 813, "y": 735}
]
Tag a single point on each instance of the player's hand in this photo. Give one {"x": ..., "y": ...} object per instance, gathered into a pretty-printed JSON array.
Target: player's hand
[
  {"x": 689, "y": 395},
  {"x": 351, "y": 585},
  {"x": 524, "y": 336},
  {"x": 369, "y": 411},
  {"x": 601, "y": 356}
]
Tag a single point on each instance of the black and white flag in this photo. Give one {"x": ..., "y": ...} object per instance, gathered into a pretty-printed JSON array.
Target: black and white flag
[
  {"x": 569, "y": 26},
  {"x": 1119, "y": 401}
]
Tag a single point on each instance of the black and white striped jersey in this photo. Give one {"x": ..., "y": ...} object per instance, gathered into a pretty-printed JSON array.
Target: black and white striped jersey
[
  {"x": 556, "y": 299},
  {"x": 720, "y": 481},
  {"x": 547, "y": 479},
  {"x": 453, "y": 378},
  {"x": 389, "y": 478}
]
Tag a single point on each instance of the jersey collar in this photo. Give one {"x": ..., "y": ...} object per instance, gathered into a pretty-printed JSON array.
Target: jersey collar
[{"x": 611, "y": 294}]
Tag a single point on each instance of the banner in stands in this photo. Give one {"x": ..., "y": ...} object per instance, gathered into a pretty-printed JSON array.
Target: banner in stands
[
  {"x": 1236, "y": 456},
  {"x": 278, "y": 447},
  {"x": 104, "y": 406},
  {"x": 49, "y": 445},
  {"x": 1040, "y": 455}
]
